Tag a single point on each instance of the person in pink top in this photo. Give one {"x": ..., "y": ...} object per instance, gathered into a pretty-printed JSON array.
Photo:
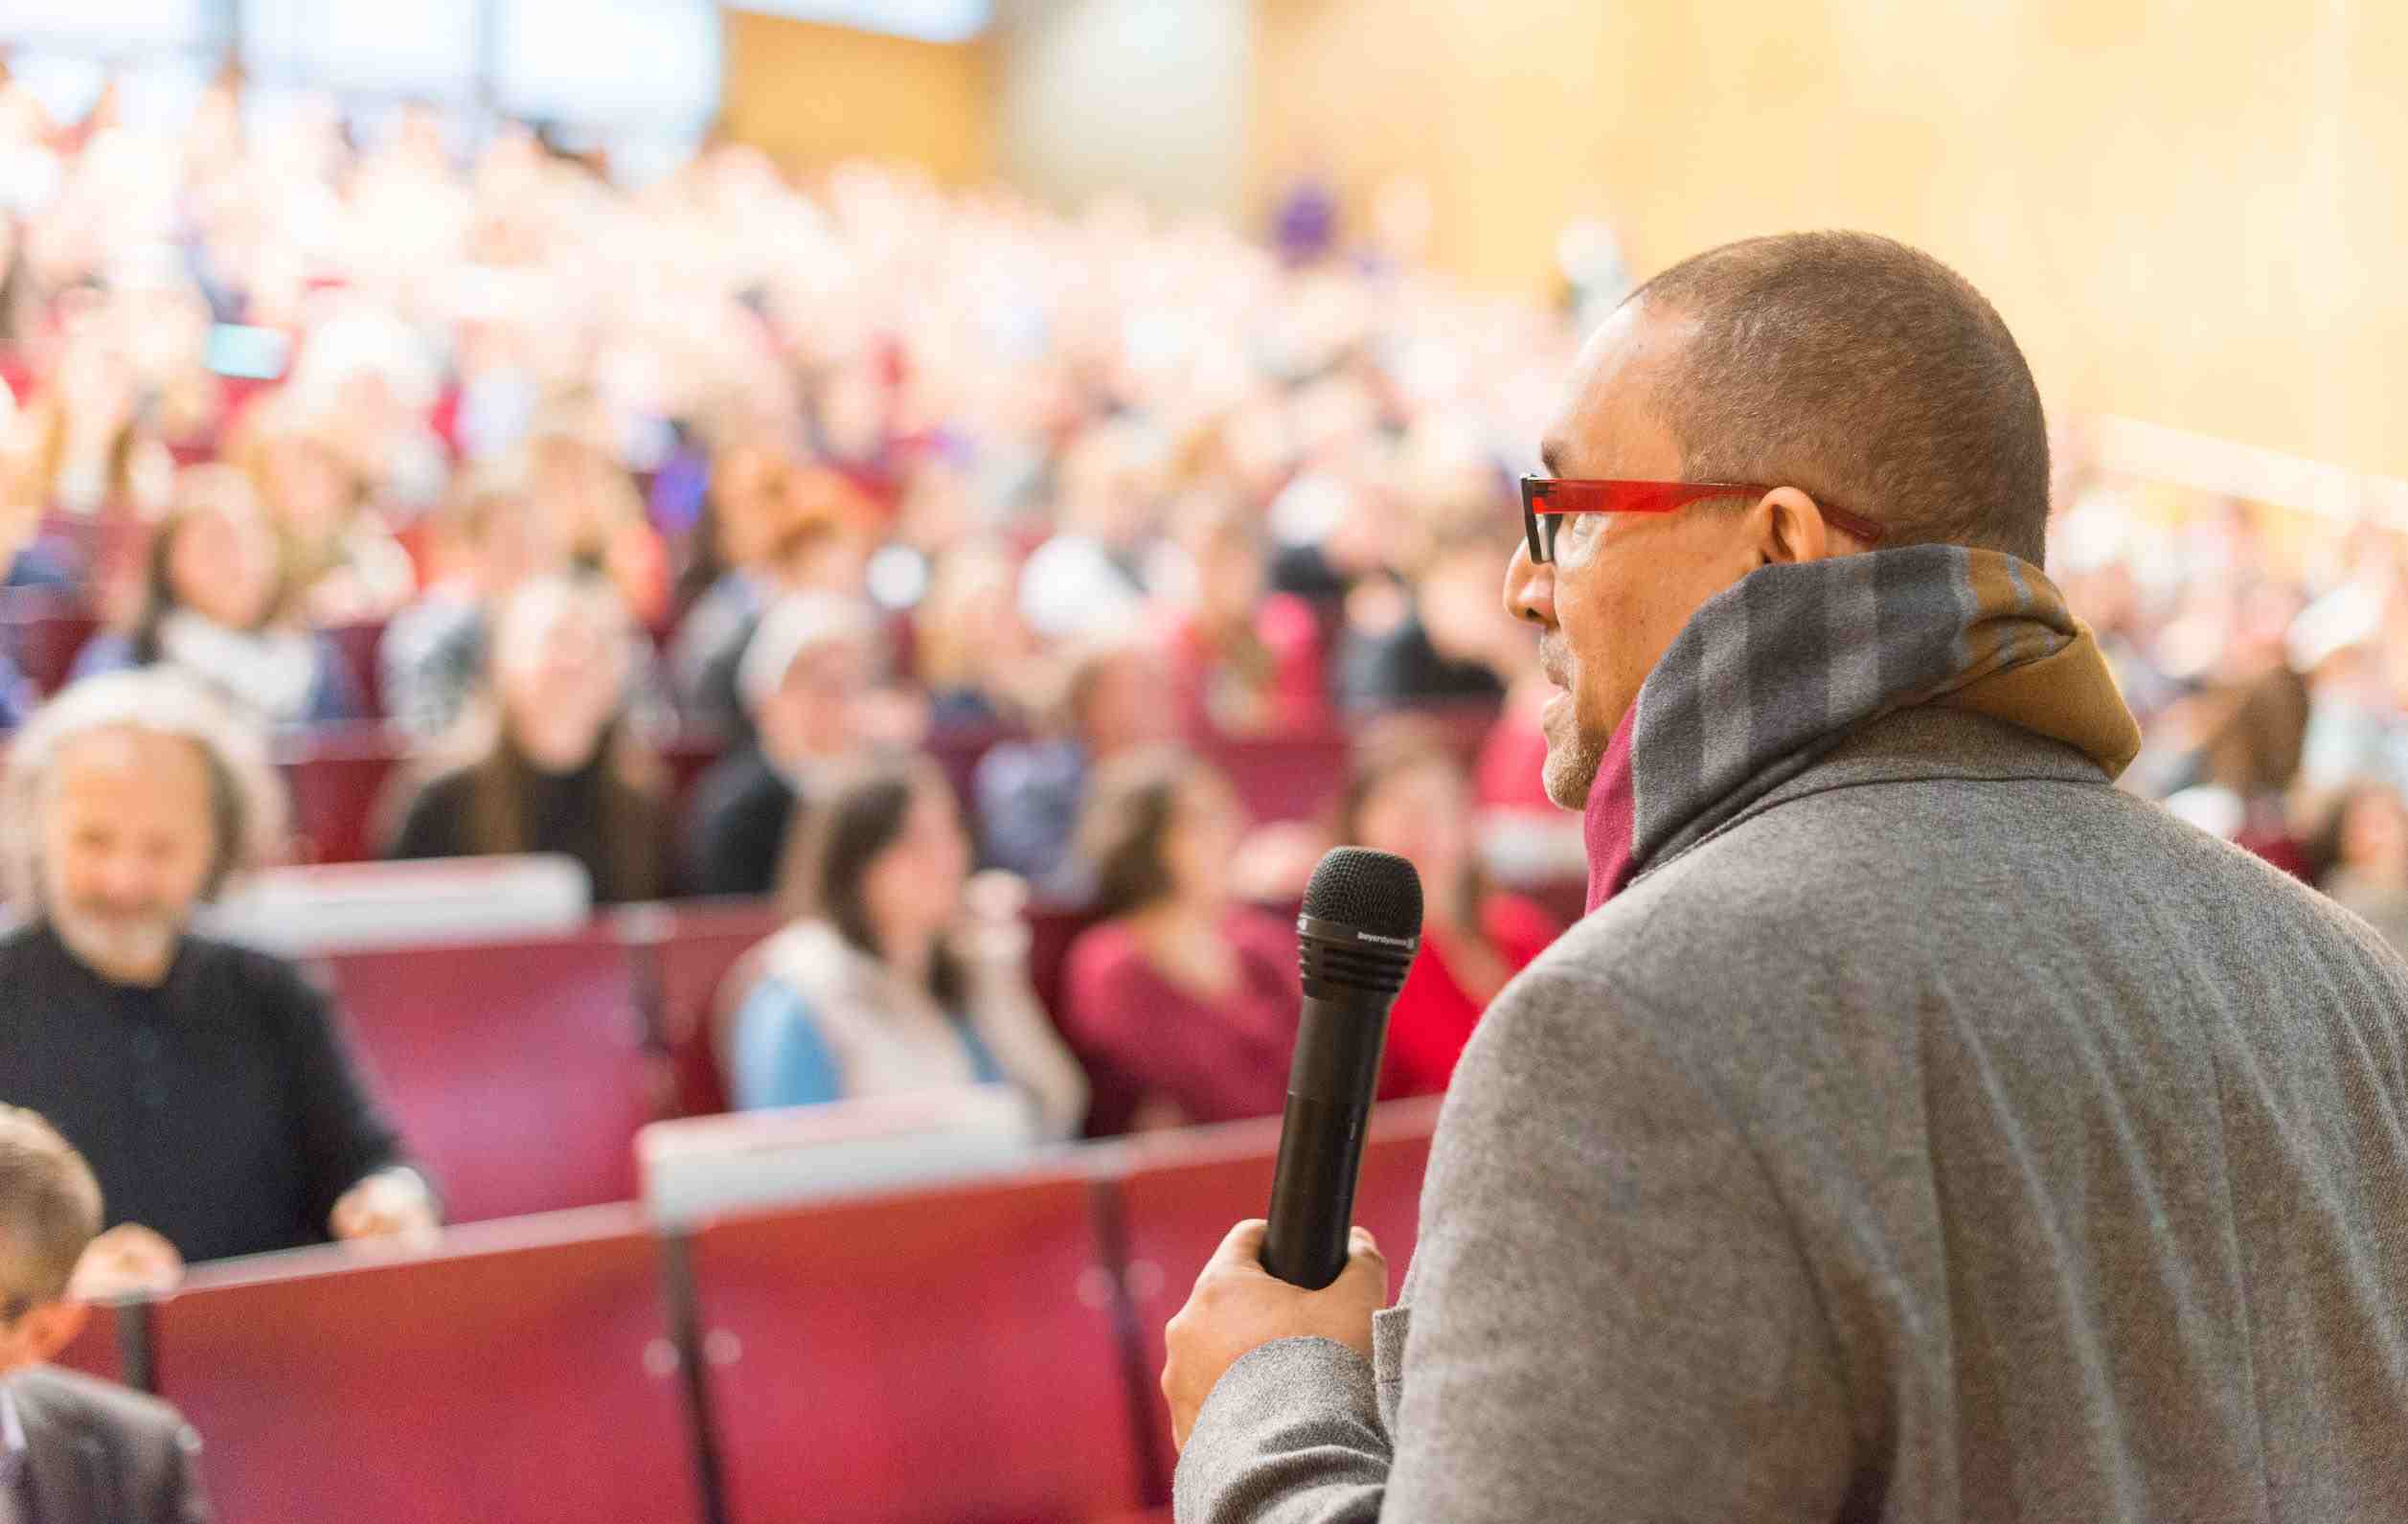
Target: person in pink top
[
  {"x": 1407, "y": 793},
  {"x": 1182, "y": 1001}
]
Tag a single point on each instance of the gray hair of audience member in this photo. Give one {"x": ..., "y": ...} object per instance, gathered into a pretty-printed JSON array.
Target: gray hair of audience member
[
  {"x": 247, "y": 802},
  {"x": 50, "y": 1211},
  {"x": 796, "y": 626}
]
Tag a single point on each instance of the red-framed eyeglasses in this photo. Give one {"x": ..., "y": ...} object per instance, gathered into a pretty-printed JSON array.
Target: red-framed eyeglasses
[{"x": 1546, "y": 499}]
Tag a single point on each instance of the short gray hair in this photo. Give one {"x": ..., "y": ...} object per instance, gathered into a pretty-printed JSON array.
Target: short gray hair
[{"x": 247, "y": 801}]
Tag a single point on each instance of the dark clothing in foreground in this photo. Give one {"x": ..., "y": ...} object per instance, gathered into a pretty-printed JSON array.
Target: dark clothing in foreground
[
  {"x": 99, "y": 1454},
  {"x": 220, "y": 1108}
]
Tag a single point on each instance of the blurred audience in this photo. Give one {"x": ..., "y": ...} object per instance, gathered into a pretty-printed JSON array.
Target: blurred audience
[
  {"x": 799, "y": 530},
  {"x": 804, "y": 674},
  {"x": 1408, "y": 795},
  {"x": 207, "y": 1084},
  {"x": 2367, "y": 858},
  {"x": 555, "y": 764},
  {"x": 1242, "y": 663},
  {"x": 67, "y": 1441},
  {"x": 897, "y": 971},
  {"x": 1181, "y": 1001},
  {"x": 1029, "y": 793},
  {"x": 492, "y": 538},
  {"x": 214, "y": 582}
]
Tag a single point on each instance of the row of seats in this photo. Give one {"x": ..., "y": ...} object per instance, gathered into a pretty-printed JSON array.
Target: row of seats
[
  {"x": 521, "y": 1070},
  {"x": 974, "y": 1353}
]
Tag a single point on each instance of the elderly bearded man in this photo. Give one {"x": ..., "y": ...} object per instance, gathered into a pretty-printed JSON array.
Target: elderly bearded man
[
  {"x": 207, "y": 1084},
  {"x": 1918, "y": 1127}
]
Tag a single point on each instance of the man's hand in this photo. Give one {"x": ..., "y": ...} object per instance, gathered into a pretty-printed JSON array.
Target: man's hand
[
  {"x": 128, "y": 1259},
  {"x": 1238, "y": 1305},
  {"x": 389, "y": 1204}
]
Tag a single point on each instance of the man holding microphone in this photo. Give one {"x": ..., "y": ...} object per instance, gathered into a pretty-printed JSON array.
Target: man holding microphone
[{"x": 1918, "y": 1127}]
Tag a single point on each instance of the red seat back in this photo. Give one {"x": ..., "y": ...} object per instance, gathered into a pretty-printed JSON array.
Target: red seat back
[
  {"x": 42, "y": 634},
  {"x": 939, "y": 1357},
  {"x": 687, "y": 757},
  {"x": 687, "y": 952},
  {"x": 959, "y": 752},
  {"x": 96, "y": 1350},
  {"x": 338, "y": 775},
  {"x": 1051, "y": 932},
  {"x": 517, "y": 1069},
  {"x": 1294, "y": 777},
  {"x": 1184, "y": 1190},
  {"x": 358, "y": 645},
  {"x": 522, "y": 1373}
]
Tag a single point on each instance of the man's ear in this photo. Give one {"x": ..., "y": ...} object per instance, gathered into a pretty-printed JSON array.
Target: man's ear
[
  {"x": 51, "y": 1328},
  {"x": 1793, "y": 528}
]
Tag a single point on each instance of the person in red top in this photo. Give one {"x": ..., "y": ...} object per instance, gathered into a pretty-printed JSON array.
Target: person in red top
[
  {"x": 1408, "y": 793},
  {"x": 1242, "y": 663},
  {"x": 1182, "y": 1002}
]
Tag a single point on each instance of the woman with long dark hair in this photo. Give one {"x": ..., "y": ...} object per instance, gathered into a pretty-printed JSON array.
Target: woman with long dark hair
[
  {"x": 1182, "y": 1002},
  {"x": 897, "y": 971},
  {"x": 554, "y": 766}
]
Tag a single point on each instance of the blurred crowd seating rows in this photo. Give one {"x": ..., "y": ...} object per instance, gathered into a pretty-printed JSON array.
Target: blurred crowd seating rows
[{"x": 968, "y": 1353}]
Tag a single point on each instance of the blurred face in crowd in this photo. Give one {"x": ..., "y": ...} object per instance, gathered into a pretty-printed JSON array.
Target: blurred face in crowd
[
  {"x": 511, "y": 546},
  {"x": 1125, "y": 706},
  {"x": 1206, "y": 827},
  {"x": 128, "y": 840},
  {"x": 1457, "y": 603},
  {"x": 1230, "y": 575},
  {"x": 307, "y": 485},
  {"x": 561, "y": 669},
  {"x": 2375, "y": 835},
  {"x": 815, "y": 711},
  {"x": 913, "y": 887},
  {"x": 223, "y": 565},
  {"x": 1620, "y": 585},
  {"x": 1423, "y": 813}
]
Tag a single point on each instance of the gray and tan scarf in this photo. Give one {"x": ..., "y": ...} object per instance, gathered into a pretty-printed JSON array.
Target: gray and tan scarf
[{"x": 1775, "y": 670}]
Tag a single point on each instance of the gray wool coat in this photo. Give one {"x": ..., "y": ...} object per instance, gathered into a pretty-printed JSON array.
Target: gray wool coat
[{"x": 1950, "y": 1136}]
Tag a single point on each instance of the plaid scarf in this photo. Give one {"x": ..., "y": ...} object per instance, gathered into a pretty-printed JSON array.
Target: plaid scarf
[{"x": 1775, "y": 670}]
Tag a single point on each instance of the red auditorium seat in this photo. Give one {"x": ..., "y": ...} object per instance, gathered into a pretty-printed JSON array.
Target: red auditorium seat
[
  {"x": 96, "y": 1350},
  {"x": 42, "y": 634},
  {"x": 937, "y": 1358},
  {"x": 1181, "y": 1193},
  {"x": 338, "y": 775},
  {"x": 1283, "y": 777},
  {"x": 1051, "y": 932},
  {"x": 959, "y": 751},
  {"x": 358, "y": 645},
  {"x": 516, "y": 1070},
  {"x": 522, "y": 1371},
  {"x": 683, "y": 953},
  {"x": 687, "y": 757}
]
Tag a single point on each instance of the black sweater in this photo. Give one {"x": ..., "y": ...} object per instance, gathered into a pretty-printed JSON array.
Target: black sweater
[{"x": 220, "y": 1108}]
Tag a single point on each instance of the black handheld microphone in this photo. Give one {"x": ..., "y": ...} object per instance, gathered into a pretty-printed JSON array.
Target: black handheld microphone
[{"x": 1362, "y": 922}]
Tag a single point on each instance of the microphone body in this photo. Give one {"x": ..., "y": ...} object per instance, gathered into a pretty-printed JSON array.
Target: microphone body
[{"x": 1352, "y": 973}]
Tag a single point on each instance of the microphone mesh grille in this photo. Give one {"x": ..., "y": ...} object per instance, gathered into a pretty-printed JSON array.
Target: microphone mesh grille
[{"x": 1376, "y": 891}]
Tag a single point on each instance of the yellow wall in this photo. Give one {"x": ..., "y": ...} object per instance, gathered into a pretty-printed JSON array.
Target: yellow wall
[
  {"x": 810, "y": 95},
  {"x": 2189, "y": 211}
]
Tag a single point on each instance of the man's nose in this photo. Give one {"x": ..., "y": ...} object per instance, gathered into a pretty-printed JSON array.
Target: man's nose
[
  {"x": 1530, "y": 590},
  {"x": 124, "y": 877}
]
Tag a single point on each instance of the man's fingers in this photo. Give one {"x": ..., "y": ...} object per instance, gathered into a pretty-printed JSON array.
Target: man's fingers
[
  {"x": 1242, "y": 1248},
  {"x": 1365, "y": 1263}
]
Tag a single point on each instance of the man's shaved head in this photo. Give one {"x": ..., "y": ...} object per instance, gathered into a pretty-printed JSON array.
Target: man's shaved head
[{"x": 1854, "y": 366}]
